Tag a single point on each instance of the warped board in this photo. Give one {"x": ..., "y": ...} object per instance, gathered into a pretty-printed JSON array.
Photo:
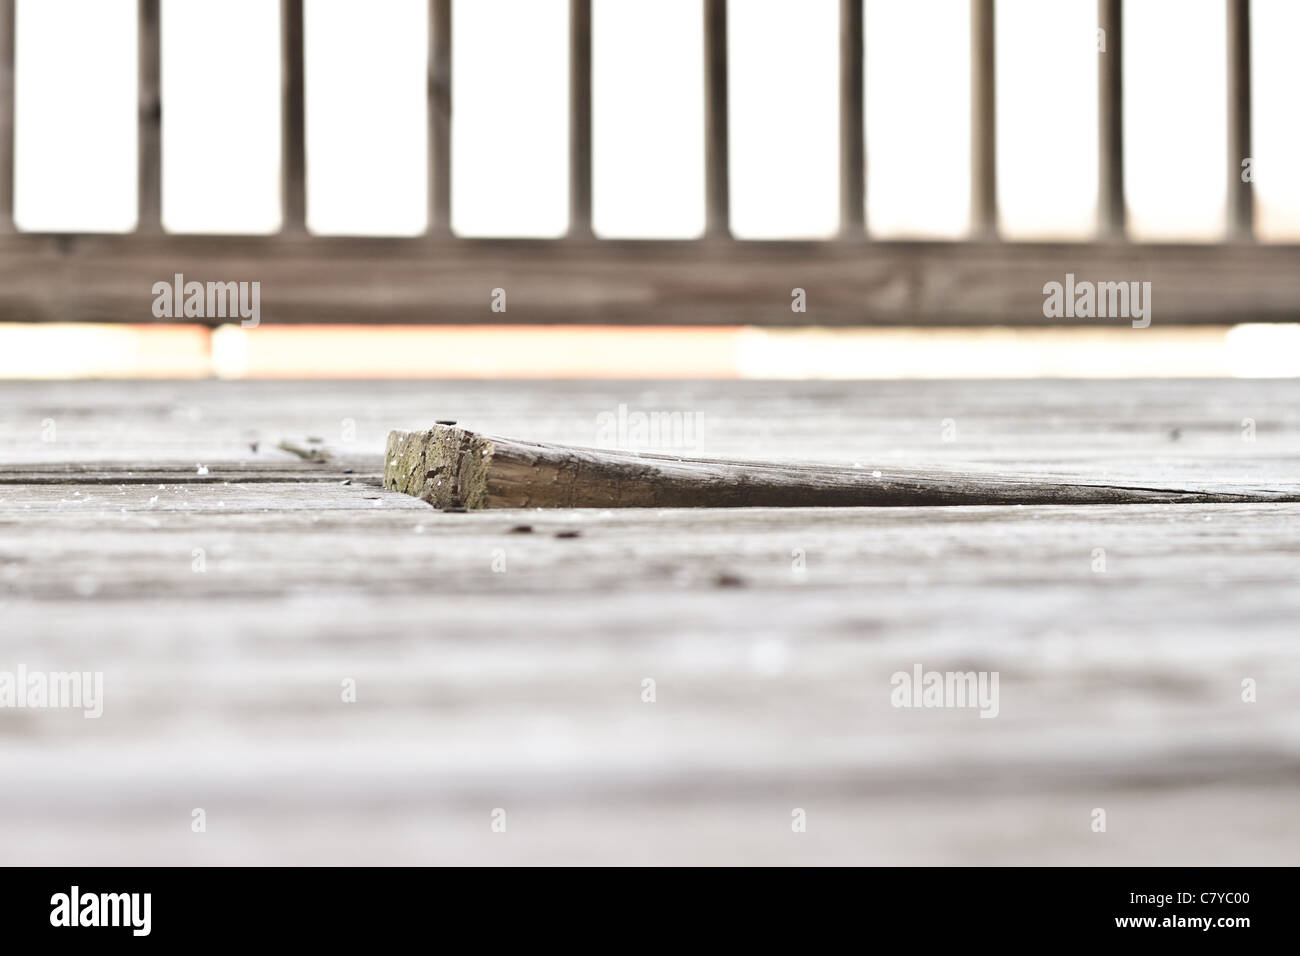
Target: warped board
[
  {"x": 501, "y": 668},
  {"x": 451, "y": 467}
]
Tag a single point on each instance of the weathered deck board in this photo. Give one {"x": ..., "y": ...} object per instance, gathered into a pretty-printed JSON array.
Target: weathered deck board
[
  {"x": 1121, "y": 428},
  {"x": 503, "y": 669},
  {"x": 452, "y": 467}
]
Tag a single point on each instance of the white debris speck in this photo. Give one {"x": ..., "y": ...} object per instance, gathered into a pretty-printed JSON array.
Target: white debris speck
[
  {"x": 153, "y": 501},
  {"x": 202, "y": 469},
  {"x": 875, "y": 474},
  {"x": 162, "y": 487}
]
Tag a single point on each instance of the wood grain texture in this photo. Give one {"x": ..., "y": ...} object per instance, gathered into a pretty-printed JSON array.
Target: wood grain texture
[
  {"x": 502, "y": 668},
  {"x": 321, "y": 279}
]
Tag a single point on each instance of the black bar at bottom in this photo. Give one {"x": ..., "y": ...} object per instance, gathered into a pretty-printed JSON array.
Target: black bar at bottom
[{"x": 932, "y": 906}]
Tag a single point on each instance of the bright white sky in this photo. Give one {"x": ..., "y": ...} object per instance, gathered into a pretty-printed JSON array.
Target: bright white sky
[{"x": 75, "y": 163}]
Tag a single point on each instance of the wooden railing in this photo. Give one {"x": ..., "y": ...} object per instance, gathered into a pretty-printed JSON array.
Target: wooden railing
[{"x": 850, "y": 280}]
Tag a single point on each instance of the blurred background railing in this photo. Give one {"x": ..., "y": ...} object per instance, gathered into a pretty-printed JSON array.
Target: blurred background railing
[{"x": 853, "y": 278}]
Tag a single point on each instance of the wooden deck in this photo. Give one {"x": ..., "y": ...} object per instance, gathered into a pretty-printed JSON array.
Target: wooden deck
[{"x": 500, "y": 669}]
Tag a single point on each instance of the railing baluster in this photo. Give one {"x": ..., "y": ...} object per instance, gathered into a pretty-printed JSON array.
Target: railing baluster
[
  {"x": 6, "y": 115},
  {"x": 1112, "y": 215},
  {"x": 149, "y": 198},
  {"x": 293, "y": 149},
  {"x": 580, "y": 118},
  {"x": 439, "y": 95},
  {"x": 983, "y": 122},
  {"x": 717, "y": 190},
  {"x": 1241, "y": 198},
  {"x": 852, "y": 142}
]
